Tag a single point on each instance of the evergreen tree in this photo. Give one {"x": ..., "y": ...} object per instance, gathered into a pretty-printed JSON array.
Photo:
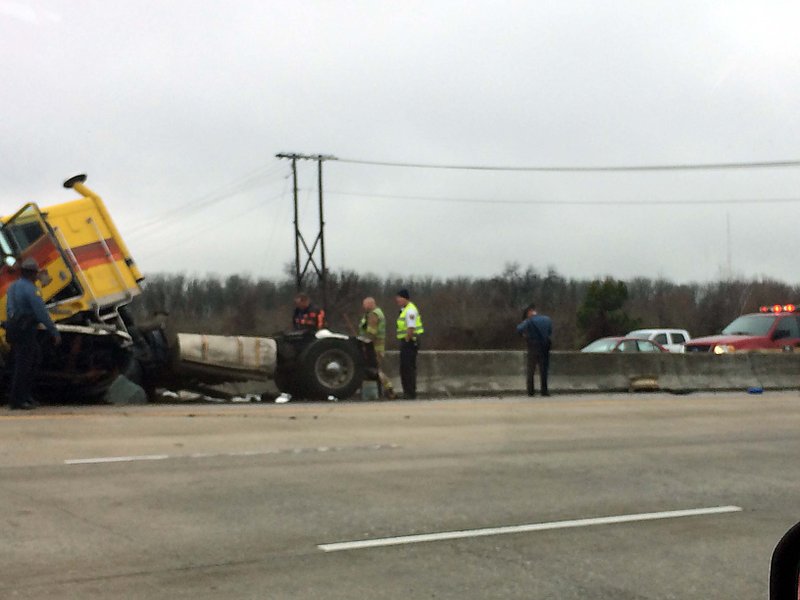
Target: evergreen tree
[{"x": 602, "y": 313}]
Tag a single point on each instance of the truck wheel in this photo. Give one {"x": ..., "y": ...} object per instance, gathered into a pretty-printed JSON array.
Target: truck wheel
[{"x": 331, "y": 367}]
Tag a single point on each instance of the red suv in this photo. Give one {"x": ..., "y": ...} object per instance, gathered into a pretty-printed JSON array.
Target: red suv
[{"x": 772, "y": 328}]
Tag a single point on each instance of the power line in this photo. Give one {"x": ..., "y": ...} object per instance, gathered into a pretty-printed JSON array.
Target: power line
[
  {"x": 194, "y": 232},
  {"x": 168, "y": 227},
  {"x": 193, "y": 206},
  {"x": 278, "y": 217},
  {"x": 576, "y": 169},
  {"x": 244, "y": 183},
  {"x": 574, "y": 202}
]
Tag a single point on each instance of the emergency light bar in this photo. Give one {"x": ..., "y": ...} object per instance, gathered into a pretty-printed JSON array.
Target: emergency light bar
[{"x": 777, "y": 308}]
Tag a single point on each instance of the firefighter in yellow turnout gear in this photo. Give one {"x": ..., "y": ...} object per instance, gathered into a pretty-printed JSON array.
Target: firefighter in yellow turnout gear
[{"x": 373, "y": 326}]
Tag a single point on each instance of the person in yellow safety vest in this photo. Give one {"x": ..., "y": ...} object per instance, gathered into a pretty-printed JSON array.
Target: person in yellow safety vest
[
  {"x": 409, "y": 329},
  {"x": 373, "y": 326}
]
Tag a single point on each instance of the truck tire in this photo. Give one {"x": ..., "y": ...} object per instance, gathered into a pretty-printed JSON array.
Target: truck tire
[{"x": 331, "y": 367}]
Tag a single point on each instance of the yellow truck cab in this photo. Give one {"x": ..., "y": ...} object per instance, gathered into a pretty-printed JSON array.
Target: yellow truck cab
[
  {"x": 88, "y": 277},
  {"x": 86, "y": 266}
]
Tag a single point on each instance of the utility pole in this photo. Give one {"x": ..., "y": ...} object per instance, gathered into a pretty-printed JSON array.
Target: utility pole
[{"x": 309, "y": 254}]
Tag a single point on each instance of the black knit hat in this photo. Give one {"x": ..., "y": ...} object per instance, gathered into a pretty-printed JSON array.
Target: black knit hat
[{"x": 403, "y": 293}]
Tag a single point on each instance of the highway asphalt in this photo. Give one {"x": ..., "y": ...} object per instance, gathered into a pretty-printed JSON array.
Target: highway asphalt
[{"x": 324, "y": 500}]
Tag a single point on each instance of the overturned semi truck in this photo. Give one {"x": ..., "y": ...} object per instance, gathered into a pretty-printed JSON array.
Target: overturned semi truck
[{"x": 88, "y": 281}]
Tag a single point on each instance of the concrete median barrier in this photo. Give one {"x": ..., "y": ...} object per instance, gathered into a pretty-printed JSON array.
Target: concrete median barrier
[
  {"x": 454, "y": 373},
  {"x": 465, "y": 372}
]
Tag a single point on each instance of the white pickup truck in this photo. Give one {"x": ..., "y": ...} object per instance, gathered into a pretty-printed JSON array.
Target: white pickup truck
[{"x": 672, "y": 339}]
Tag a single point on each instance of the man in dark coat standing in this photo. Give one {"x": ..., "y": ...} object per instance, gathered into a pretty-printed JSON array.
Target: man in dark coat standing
[
  {"x": 25, "y": 310},
  {"x": 537, "y": 330}
]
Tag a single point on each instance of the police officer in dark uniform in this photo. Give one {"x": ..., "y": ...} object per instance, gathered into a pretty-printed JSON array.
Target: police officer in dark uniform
[
  {"x": 537, "y": 330},
  {"x": 25, "y": 310}
]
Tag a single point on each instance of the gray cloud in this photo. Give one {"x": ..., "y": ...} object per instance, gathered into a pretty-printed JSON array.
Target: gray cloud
[{"x": 163, "y": 103}]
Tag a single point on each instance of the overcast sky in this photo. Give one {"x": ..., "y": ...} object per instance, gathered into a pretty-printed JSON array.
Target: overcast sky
[{"x": 175, "y": 109}]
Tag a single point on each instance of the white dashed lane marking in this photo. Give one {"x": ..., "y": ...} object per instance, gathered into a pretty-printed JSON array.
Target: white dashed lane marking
[
  {"x": 471, "y": 533},
  {"x": 317, "y": 449}
]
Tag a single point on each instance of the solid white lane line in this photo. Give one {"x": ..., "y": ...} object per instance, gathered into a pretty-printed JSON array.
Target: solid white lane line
[
  {"x": 113, "y": 459},
  {"x": 452, "y": 535},
  {"x": 320, "y": 449}
]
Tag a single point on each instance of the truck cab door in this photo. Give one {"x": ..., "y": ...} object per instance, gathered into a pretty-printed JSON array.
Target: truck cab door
[
  {"x": 786, "y": 333},
  {"x": 664, "y": 340},
  {"x": 28, "y": 235}
]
